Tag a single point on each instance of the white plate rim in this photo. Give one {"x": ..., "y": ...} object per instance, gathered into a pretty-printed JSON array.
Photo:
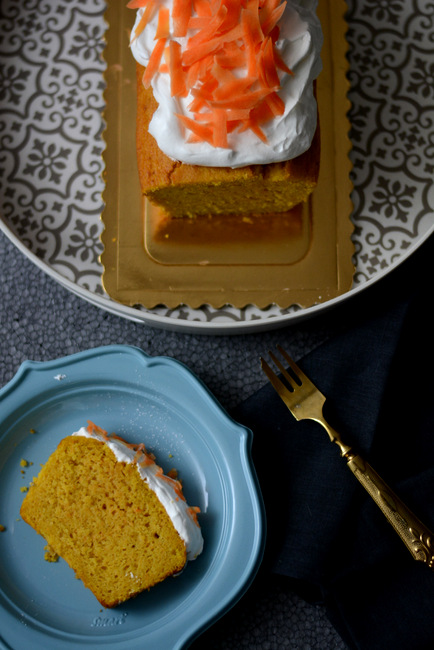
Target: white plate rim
[{"x": 206, "y": 327}]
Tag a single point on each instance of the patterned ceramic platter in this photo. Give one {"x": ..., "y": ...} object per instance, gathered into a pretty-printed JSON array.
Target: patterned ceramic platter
[{"x": 51, "y": 104}]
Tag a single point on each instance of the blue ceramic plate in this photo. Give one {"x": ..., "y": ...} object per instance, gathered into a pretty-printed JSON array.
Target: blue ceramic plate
[{"x": 151, "y": 399}]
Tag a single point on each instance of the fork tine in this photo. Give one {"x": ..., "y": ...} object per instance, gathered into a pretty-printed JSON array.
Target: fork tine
[
  {"x": 277, "y": 384},
  {"x": 283, "y": 370},
  {"x": 298, "y": 372}
]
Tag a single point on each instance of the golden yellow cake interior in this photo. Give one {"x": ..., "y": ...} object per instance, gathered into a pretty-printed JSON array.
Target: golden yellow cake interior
[{"x": 103, "y": 519}]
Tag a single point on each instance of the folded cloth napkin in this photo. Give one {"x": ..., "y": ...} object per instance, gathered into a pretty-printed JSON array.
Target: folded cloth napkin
[{"x": 324, "y": 531}]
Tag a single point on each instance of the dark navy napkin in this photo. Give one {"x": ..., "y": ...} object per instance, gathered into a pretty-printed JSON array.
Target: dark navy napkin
[{"x": 325, "y": 534}]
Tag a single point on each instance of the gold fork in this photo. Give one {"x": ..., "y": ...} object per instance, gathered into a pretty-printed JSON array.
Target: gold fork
[{"x": 305, "y": 401}]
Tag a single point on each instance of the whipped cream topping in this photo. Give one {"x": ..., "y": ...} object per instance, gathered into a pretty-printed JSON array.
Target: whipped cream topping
[
  {"x": 177, "y": 509},
  {"x": 288, "y": 135}
]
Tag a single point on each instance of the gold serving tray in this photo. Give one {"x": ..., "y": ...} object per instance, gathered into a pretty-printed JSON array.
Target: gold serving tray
[{"x": 302, "y": 258}]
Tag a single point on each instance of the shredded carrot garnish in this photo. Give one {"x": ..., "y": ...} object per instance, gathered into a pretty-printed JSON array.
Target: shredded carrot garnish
[
  {"x": 220, "y": 130},
  {"x": 201, "y": 131},
  {"x": 154, "y": 62},
  {"x": 146, "y": 460},
  {"x": 163, "y": 26},
  {"x": 147, "y": 16},
  {"x": 274, "y": 16},
  {"x": 193, "y": 512},
  {"x": 228, "y": 63},
  {"x": 93, "y": 428},
  {"x": 178, "y": 86},
  {"x": 181, "y": 12},
  {"x": 267, "y": 65},
  {"x": 202, "y": 8},
  {"x": 137, "y": 4}
]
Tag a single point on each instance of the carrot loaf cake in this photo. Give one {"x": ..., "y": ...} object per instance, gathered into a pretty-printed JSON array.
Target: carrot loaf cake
[
  {"x": 226, "y": 113},
  {"x": 106, "y": 507}
]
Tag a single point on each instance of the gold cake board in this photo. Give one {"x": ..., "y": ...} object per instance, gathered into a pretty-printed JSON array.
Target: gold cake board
[{"x": 302, "y": 258}]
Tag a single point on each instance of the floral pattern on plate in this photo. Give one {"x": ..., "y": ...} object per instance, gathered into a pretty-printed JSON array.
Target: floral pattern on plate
[{"x": 51, "y": 104}]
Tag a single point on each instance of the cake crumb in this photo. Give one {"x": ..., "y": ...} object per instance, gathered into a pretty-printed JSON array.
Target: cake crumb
[
  {"x": 50, "y": 555},
  {"x": 24, "y": 489},
  {"x": 2, "y": 528},
  {"x": 23, "y": 462},
  {"x": 32, "y": 431}
]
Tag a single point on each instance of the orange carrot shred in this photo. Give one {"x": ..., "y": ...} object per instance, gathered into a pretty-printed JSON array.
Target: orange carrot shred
[
  {"x": 233, "y": 14},
  {"x": 231, "y": 58},
  {"x": 181, "y": 13},
  {"x": 252, "y": 30},
  {"x": 220, "y": 132},
  {"x": 248, "y": 100},
  {"x": 202, "y": 8},
  {"x": 194, "y": 511},
  {"x": 198, "y": 22},
  {"x": 232, "y": 87},
  {"x": 275, "y": 103},
  {"x": 147, "y": 16},
  {"x": 229, "y": 65},
  {"x": 237, "y": 114},
  {"x": 154, "y": 62},
  {"x": 163, "y": 26},
  {"x": 197, "y": 105},
  {"x": 203, "y": 131},
  {"x": 164, "y": 66},
  {"x": 280, "y": 63},
  {"x": 267, "y": 65},
  {"x": 94, "y": 428},
  {"x": 257, "y": 130},
  {"x": 211, "y": 28},
  {"x": 273, "y": 18},
  {"x": 198, "y": 52},
  {"x": 178, "y": 87},
  {"x": 137, "y": 4}
]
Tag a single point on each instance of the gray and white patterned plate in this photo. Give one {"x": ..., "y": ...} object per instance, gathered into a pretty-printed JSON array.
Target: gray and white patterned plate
[{"x": 51, "y": 103}]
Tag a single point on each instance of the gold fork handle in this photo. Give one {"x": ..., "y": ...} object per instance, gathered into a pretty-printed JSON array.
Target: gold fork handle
[{"x": 415, "y": 535}]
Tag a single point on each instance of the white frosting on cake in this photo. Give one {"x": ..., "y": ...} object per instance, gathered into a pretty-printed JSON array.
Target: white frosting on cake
[
  {"x": 288, "y": 136},
  {"x": 177, "y": 508}
]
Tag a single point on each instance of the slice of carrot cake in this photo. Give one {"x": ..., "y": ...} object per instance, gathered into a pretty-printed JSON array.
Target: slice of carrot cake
[{"x": 106, "y": 507}]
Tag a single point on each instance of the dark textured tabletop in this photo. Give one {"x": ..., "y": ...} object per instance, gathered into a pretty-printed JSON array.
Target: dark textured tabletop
[
  {"x": 52, "y": 72},
  {"x": 41, "y": 320}
]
